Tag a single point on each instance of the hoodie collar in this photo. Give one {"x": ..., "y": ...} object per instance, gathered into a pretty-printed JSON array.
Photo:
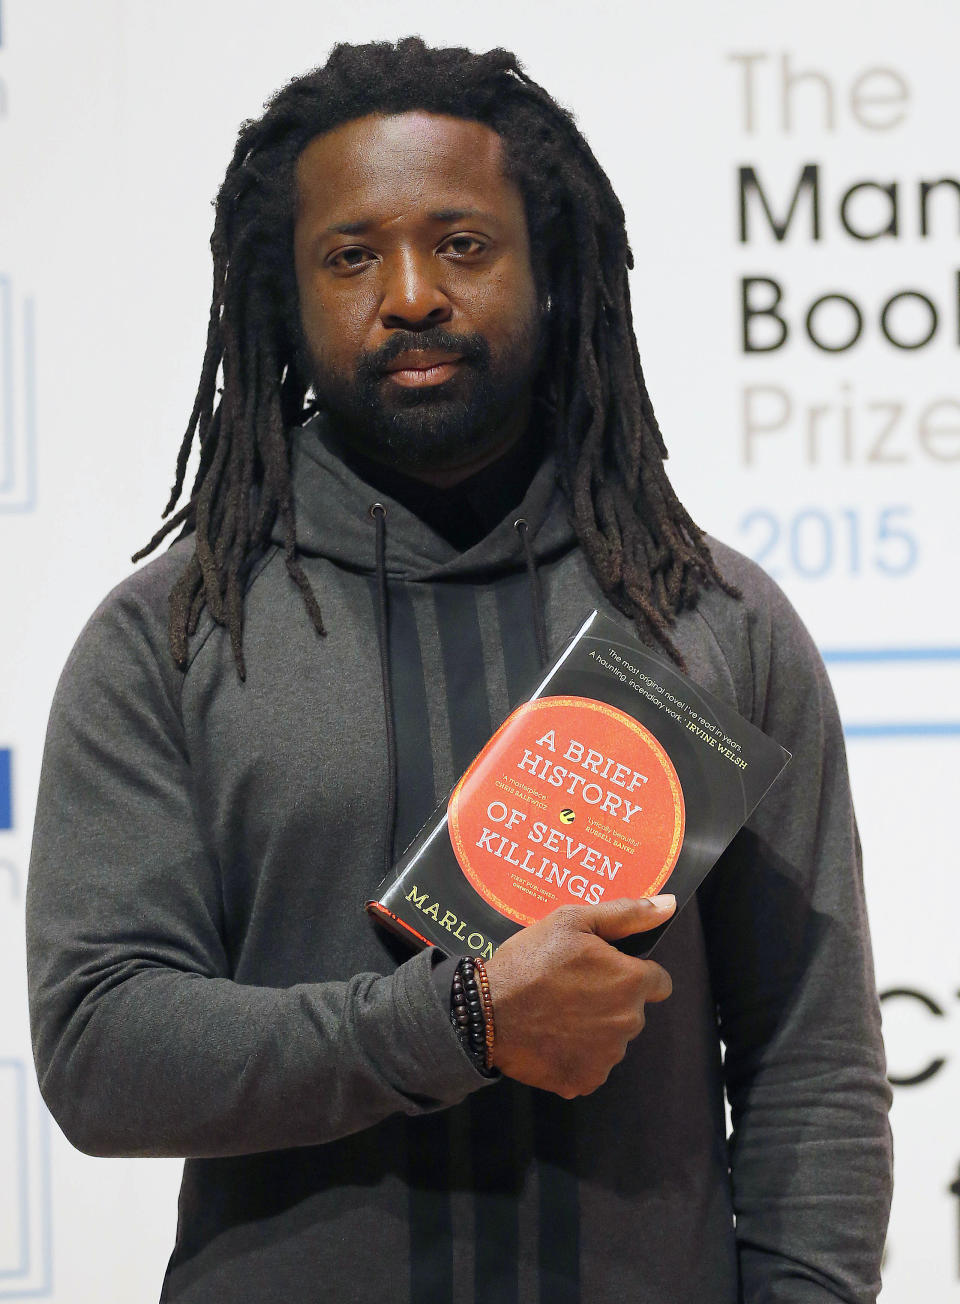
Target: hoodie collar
[{"x": 333, "y": 504}]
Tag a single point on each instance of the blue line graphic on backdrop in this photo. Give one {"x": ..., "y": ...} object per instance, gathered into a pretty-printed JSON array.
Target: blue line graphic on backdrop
[
  {"x": 10, "y": 875},
  {"x": 877, "y": 654},
  {"x": 22, "y": 1266},
  {"x": 18, "y": 456},
  {"x": 41, "y": 1183},
  {"x": 890, "y": 656},
  {"x": 904, "y": 729},
  {"x": 6, "y": 788}
]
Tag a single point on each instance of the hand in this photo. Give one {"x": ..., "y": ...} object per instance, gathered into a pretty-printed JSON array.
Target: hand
[{"x": 566, "y": 1003}]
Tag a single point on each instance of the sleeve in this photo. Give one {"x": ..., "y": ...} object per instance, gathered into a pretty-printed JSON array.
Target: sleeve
[
  {"x": 144, "y": 1044},
  {"x": 789, "y": 948}
]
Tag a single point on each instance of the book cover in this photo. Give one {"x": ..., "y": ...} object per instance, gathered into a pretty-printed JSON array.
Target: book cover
[{"x": 617, "y": 777}]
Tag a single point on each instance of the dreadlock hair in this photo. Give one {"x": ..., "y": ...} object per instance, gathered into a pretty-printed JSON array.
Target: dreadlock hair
[{"x": 646, "y": 553}]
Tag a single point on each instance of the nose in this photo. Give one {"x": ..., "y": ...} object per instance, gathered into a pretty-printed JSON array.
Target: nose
[{"x": 413, "y": 296}]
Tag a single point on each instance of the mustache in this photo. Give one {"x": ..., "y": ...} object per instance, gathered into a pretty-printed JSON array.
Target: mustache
[{"x": 471, "y": 348}]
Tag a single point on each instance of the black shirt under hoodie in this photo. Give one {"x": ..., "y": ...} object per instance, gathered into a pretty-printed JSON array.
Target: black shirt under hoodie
[{"x": 204, "y": 982}]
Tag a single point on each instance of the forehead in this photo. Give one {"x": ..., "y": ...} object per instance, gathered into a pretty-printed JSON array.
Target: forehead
[{"x": 398, "y": 161}]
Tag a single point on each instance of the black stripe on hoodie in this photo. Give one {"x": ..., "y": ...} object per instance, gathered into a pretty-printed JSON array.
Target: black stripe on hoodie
[
  {"x": 492, "y": 1125},
  {"x": 554, "y": 1119},
  {"x": 428, "y": 1139}
]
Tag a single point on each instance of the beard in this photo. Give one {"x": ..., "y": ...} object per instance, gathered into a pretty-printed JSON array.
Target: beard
[{"x": 434, "y": 427}]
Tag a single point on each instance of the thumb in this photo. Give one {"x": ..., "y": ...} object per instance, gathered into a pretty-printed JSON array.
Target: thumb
[{"x": 613, "y": 920}]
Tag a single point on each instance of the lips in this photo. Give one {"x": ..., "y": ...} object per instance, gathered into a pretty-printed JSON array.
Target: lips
[
  {"x": 421, "y": 360},
  {"x": 418, "y": 367}
]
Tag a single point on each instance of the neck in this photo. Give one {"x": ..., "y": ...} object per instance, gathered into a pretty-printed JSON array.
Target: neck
[{"x": 466, "y": 509}]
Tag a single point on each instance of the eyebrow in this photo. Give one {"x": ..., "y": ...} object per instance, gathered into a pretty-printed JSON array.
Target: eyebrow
[{"x": 438, "y": 215}]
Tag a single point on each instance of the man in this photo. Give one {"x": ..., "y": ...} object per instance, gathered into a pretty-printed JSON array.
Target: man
[{"x": 430, "y": 453}]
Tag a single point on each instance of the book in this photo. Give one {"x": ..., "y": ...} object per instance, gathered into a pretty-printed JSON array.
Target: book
[{"x": 617, "y": 777}]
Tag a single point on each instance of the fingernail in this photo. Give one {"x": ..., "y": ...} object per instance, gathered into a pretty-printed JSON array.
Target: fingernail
[{"x": 662, "y": 902}]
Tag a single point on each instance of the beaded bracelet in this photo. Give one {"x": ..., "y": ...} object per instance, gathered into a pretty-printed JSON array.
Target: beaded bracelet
[
  {"x": 471, "y": 1012},
  {"x": 486, "y": 999}
]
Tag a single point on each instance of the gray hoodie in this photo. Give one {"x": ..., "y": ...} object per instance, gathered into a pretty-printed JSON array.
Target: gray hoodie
[{"x": 204, "y": 982}]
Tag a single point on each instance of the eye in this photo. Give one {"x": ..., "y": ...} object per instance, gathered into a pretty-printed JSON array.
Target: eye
[
  {"x": 346, "y": 260},
  {"x": 463, "y": 245}
]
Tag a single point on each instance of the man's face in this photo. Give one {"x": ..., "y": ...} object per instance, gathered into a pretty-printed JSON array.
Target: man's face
[{"x": 417, "y": 296}]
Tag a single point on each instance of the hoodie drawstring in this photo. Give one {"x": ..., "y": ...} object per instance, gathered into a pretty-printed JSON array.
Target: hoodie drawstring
[
  {"x": 379, "y": 514},
  {"x": 536, "y": 593}
]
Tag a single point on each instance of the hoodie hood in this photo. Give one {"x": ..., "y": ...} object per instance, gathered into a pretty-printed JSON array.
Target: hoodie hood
[{"x": 333, "y": 504}]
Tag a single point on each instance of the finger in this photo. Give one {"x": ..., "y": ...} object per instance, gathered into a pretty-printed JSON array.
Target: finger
[
  {"x": 613, "y": 920},
  {"x": 656, "y": 982}
]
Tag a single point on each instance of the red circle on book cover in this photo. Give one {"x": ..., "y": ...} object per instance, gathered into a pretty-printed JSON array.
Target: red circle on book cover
[{"x": 571, "y": 801}]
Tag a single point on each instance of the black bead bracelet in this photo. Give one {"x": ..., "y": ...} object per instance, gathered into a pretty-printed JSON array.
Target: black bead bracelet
[{"x": 471, "y": 1012}]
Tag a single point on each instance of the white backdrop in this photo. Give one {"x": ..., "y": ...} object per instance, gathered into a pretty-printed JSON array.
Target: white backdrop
[{"x": 831, "y": 459}]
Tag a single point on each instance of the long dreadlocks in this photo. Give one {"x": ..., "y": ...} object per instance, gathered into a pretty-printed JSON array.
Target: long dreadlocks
[{"x": 647, "y": 554}]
